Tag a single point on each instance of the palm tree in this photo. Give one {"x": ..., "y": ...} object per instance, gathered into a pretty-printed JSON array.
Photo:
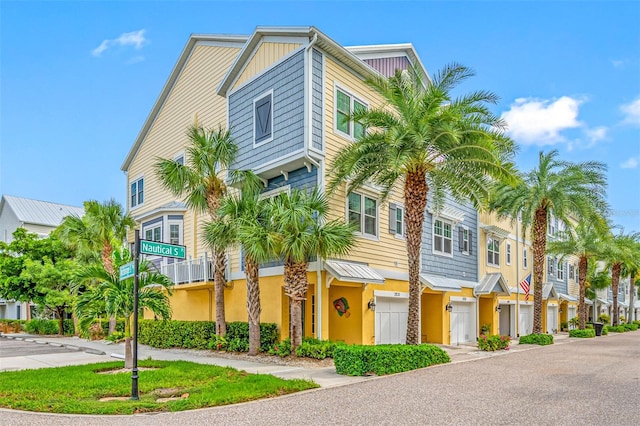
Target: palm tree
[
  {"x": 621, "y": 253},
  {"x": 244, "y": 220},
  {"x": 426, "y": 140},
  {"x": 566, "y": 190},
  {"x": 586, "y": 242},
  {"x": 115, "y": 296},
  {"x": 201, "y": 182},
  {"x": 298, "y": 221},
  {"x": 103, "y": 227}
]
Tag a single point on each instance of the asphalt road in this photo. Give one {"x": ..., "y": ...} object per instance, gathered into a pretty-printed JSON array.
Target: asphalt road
[
  {"x": 583, "y": 382},
  {"x": 13, "y": 348}
]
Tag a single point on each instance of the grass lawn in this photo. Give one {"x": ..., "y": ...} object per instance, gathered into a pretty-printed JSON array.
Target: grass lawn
[{"x": 78, "y": 389}]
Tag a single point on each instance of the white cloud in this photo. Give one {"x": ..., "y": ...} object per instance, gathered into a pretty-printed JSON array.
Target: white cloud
[
  {"x": 617, "y": 63},
  {"x": 541, "y": 121},
  {"x": 596, "y": 134},
  {"x": 631, "y": 112},
  {"x": 631, "y": 163},
  {"x": 134, "y": 38}
]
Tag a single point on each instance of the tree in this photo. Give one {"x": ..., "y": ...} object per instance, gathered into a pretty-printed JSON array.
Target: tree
[
  {"x": 244, "y": 220},
  {"x": 201, "y": 182},
  {"x": 622, "y": 257},
  {"x": 298, "y": 221},
  {"x": 585, "y": 241},
  {"x": 427, "y": 140},
  {"x": 107, "y": 292}
]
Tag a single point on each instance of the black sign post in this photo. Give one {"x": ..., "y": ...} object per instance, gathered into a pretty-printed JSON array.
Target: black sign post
[{"x": 134, "y": 370}]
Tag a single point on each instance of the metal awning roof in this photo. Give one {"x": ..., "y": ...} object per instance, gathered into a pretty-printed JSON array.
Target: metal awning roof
[
  {"x": 566, "y": 297},
  {"x": 492, "y": 283},
  {"x": 440, "y": 283},
  {"x": 603, "y": 302},
  {"x": 588, "y": 301},
  {"x": 353, "y": 272},
  {"x": 623, "y": 304},
  {"x": 549, "y": 291}
]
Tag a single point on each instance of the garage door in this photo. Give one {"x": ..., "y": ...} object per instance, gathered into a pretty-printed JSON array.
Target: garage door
[
  {"x": 391, "y": 320},
  {"x": 526, "y": 320},
  {"x": 552, "y": 319},
  {"x": 463, "y": 324}
]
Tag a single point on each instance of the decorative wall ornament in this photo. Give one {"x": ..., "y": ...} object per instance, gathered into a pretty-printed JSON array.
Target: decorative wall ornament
[{"x": 342, "y": 306}]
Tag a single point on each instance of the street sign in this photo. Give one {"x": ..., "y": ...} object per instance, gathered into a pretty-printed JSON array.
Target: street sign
[
  {"x": 162, "y": 249},
  {"x": 127, "y": 271}
]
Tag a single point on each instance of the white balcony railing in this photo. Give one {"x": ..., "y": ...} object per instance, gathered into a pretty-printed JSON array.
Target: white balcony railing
[{"x": 188, "y": 271}]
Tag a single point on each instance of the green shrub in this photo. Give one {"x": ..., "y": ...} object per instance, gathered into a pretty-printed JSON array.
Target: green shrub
[
  {"x": 537, "y": 339},
  {"x": 604, "y": 318},
  {"x": 564, "y": 325},
  {"x": 11, "y": 325},
  {"x": 588, "y": 325},
  {"x": 48, "y": 327},
  {"x": 358, "y": 360},
  {"x": 218, "y": 343},
  {"x": 493, "y": 343},
  {"x": 615, "y": 328},
  {"x": 604, "y": 331},
  {"x": 281, "y": 349},
  {"x": 116, "y": 336},
  {"x": 104, "y": 323},
  {"x": 200, "y": 334},
  {"x": 318, "y": 349},
  {"x": 630, "y": 327},
  {"x": 587, "y": 332},
  {"x": 637, "y": 322},
  {"x": 574, "y": 321}
]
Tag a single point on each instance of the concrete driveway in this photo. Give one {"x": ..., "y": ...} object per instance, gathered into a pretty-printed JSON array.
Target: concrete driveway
[{"x": 583, "y": 381}]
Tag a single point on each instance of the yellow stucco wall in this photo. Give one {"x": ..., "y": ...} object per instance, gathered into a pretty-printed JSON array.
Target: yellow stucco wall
[
  {"x": 432, "y": 317},
  {"x": 348, "y": 327}
]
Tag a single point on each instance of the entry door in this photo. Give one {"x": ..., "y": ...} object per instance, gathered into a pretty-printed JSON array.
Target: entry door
[
  {"x": 391, "y": 320},
  {"x": 462, "y": 323},
  {"x": 526, "y": 320},
  {"x": 504, "y": 324},
  {"x": 552, "y": 319}
]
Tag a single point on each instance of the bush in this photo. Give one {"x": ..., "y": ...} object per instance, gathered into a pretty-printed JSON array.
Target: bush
[
  {"x": 537, "y": 339},
  {"x": 564, "y": 325},
  {"x": 200, "y": 334},
  {"x": 358, "y": 360},
  {"x": 11, "y": 325},
  {"x": 615, "y": 328},
  {"x": 318, "y": 349},
  {"x": 604, "y": 318},
  {"x": 587, "y": 332},
  {"x": 218, "y": 343},
  {"x": 588, "y": 325},
  {"x": 116, "y": 336},
  {"x": 48, "y": 327},
  {"x": 630, "y": 327},
  {"x": 493, "y": 343},
  {"x": 637, "y": 322},
  {"x": 104, "y": 323},
  {"x": 574, "y": 321},
  {"x": 281, "y": 349}
]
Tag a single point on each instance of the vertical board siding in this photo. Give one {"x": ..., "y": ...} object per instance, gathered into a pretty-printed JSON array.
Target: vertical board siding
[
  {"x": 388, "y": 66},
  {"x": 317, "y": 100},
  {"x": 266, "y": 55},
  {"x": 287, "y": 82},
  {"x": 459, "y": 266},
  {"x": 298, "y": 179}
]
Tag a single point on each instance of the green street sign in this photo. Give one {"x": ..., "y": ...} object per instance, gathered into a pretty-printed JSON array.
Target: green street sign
[
  {"x": 127, "y": 271},
  {"x": 162, "y": 249}
]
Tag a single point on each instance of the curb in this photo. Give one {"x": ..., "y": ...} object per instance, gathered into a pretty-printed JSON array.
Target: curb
[{"x": 56, "y": 345}]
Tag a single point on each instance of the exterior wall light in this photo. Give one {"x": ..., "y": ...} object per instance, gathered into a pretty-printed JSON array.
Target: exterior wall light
[
  {"x": 372, "y": 304},
  {"x": 448, "y": 308},
  {"x": 498, "y": 309}
]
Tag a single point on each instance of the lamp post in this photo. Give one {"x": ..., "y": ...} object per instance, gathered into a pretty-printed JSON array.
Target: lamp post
[{"x": 134, "y": 370}]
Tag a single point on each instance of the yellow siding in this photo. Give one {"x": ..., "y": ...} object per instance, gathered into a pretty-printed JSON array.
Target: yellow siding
[
  {"x": 388, "y": 252},
  {"x": 266, "y": 55}
]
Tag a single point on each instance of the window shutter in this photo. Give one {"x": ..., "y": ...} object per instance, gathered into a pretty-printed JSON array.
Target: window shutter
[
  {"x": 470, "y": 242},
  {"x": 263, "y": 118},
  {"x": 460, "y": 238},
  {"x": 392, "y": 218}
]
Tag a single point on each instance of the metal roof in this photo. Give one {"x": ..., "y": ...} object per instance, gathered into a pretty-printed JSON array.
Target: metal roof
[
  {"x": 492, "y": 283},
  {"x": 353, "y": 272},
  {"x": 566, "y": 297},
  {"x": 38, "y": 212},
  {"x": 548, "y": 290},
  {"x": 440, "y": 283}
]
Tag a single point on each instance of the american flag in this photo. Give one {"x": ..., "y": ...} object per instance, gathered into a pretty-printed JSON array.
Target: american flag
[{"x": 526, "y": 286}]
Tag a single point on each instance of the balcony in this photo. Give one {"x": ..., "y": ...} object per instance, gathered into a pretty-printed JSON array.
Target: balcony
[{"x": 197, "y": 270}]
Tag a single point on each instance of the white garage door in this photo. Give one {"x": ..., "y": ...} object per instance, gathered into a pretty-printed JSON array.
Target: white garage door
[
  {"x": 552, "y": 319},
  {"x": 391, "y": 320},
  {"x": 463, "y": 322},
  {"x": 526, "y": 320}
]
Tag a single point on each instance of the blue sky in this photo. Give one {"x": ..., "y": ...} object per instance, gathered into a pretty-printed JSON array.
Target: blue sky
[{"x": 78, "y": 79}]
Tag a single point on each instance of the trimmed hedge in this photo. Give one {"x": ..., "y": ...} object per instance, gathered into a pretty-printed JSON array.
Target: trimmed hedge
[
  {"x": 494, "y": 342},
  {"x": 318, "y": 349},
  {"x": 359, "y": 360},
  {"x": 198, "y": 334},
  {"x": 615, "y": 328},
  {"x": 587, "y": 332},
  {"x": 48, "y": 327},
  {"x": 630, "y": 327},
  {"x": 537, "y": 339}
]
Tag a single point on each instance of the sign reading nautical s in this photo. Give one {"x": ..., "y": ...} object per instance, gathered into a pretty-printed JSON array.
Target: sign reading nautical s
[
  {"x": 342, "y": 307},
  {"x": 162, "y": 249}
]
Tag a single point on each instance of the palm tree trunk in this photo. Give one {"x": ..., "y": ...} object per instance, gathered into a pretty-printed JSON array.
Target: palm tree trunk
[
  {"x": 539, "y": 248},
  {"x": 218, "y": 283},
  {"x": 615, "y": 281},
  {"x": 632, "y": 309},
  {"x": 295, "y": 286},
  {"x": 582, "y": 279},
  {"x": 60, "y": 313},
  {"x": 415, "y": 198},
  {"x": 253, "y": 304}
]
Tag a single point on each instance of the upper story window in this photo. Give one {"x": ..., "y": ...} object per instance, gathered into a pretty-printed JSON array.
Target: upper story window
[
  {"x": 137, "y": 193},
  {"x": 508, "y": 253},
  {"x": 493, "y": 251},
  {"x": 464, "y": 240},
  {"x": 442, "y": 237},
  {"x": 345, "y": 105},
  {"x": 396, "y": 220},
  {"x": 577, "y": 273},
  {"x": 571, "y": 272},
  {"x": 363, "y": 214},
  {"x": 263, "y": 118},
  {"x": 153, "y": 232},
  {"x": 550, "y": 265},
  {"x": 560, "y": 272},
  {"x": 179, "y": 159},
  {"x": 525, "y": 258}
]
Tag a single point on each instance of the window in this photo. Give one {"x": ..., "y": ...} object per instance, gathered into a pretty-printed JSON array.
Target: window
[
  {"x": 396, "y": 219},
  {"x": 363, "y": 214},
  {"x": 137, "y": 192},
  {"x": 464, "y": 240},
  {"x": 153, "y": 233},
  {"x": 577, "y": 274},
  {"x": 550, "y": 262},
  {"x": 179, "y": 159},
  {"x": 174, "y": 234},
  {"x": 524, "y": 258},
  {"x": 345, "y": 105},
  {"x": 493, "y": 251},
  {"x": 263, "y": 118},
  {"x": 508, "y": 253},
  {"x": 442, "y": 238},
  {"x": 560, "y": 272},
  {"x": 571, "y": 272}
]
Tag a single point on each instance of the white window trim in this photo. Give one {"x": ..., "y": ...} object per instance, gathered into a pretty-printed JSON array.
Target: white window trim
[
  {"x": 466, "y": 252},
  {"x": 337, "y": 86},
  {"x": 361, "y": 233},
  {"x": 560, "y": 270},
  {"x": 180, "y": 224},
  {"x": 151, "y": 228},
  {"x": 179, "y": 155},
  {"x": 253, "y": 117},
  {"x": 499, "y": 241},
  {"x": 136, "y": 180},
  {"x": 401, "y": 236},
  {"x": 507, "y": 253},
  {"x": 274, "y": 192},
  {"x": 433, "y": 234}
]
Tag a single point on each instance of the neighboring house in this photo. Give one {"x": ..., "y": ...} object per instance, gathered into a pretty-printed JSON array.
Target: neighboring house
[{"x": 39, "y": 217}]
